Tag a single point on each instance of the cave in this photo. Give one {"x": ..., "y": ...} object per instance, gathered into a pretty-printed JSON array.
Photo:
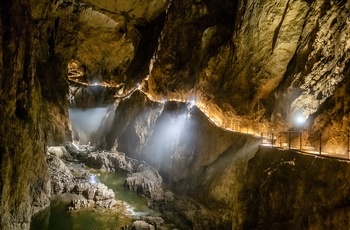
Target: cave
[{"x": 220, "y": 114}]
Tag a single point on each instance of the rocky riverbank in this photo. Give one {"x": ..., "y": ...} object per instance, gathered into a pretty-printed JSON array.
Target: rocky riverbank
[
  {"x": 179, "y": 210},
  {"x": 72, "y": 182},
  {"x": 70, "y": 178}
]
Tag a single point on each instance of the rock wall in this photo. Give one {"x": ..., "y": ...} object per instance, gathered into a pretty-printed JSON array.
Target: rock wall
[
  {"x": 230, "y": 181},
  {"x": 282, "y": 59},
  {"x": 177, "y": 139},
  {"x": 319, "y": 66},
  {"x": 33, "y": 108},
  {"x": 285, "y": 189},
  {"x": 24, "y": 179},
  {"x": 195, "y": 157}
]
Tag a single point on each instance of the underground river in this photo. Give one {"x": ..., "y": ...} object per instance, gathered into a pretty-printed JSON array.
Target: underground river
[{"x": 56, "y": 217}]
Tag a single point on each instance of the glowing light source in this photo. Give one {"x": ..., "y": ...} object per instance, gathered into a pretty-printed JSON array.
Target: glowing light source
[
  {"x": 300, "y": 119},
  {"x": 191, "y": 104}
]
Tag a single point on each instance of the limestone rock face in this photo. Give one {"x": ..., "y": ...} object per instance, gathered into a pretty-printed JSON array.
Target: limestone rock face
[
  {"x": 282, "y": 59},
  {"x": 178, "y": 140},
  {"x": 145, "y": 181},
  {"x": 319, "y": 66},
  {"x": 271, "y": 47},
  {"x": 101, "y": 38},
  {"x": 244, "y": 62},
  {"x": 227, "y": 181},
  {"x": 61, "y": 176},
  {"x": 24, "y": 179},
  {"x": 90, "y": 96},
  {"x": 295, "y": 191},
  {"x": 144, "y": 11}
]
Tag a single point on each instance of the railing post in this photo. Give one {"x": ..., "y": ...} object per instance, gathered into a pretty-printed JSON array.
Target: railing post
[
  {"x": 272, "y": 139},
  {"x": 300, "y": 139},
  {"x": 280, "y": 136},
  {"x": 348, "y": 144},
  {"x": 320, "y": 143},
  {"x": 288, "y": 139}
]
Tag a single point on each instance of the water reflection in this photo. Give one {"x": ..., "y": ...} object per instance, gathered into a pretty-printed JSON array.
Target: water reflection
[
  {"x": 137, "y": 205},
  {"x": 56, "y": 216}
]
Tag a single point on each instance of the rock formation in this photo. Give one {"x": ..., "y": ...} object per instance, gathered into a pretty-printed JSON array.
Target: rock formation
[
  {"x": 109, "y": 161},
  {"x": 236, "y": 184},
  {"x": 269, "y": 55},
  {"x": 24, "y": 179},
  {"x": 90, "y": 194}
]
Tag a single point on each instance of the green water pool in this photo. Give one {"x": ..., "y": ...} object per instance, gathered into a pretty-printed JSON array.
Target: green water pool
[{"x": 56, "y": 216}]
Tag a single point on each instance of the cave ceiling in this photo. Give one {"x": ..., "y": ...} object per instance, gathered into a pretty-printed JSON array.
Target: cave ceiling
[{"x": 252, "y": 61}]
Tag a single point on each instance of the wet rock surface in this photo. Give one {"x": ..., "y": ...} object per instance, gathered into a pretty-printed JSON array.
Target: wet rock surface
[
  {"x": 145, "y": 181},
  {"x": 141, "y": 177},
  {"x": 71, "y": 178},
  {"x": 70, "y": 181},
  {"x": 109, "y": 161}
]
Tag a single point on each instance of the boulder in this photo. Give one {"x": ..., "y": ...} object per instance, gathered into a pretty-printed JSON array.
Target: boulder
[
  {"x": 155, "y": 221},
  {"x": 109, "y": 161},
  {"x": 77, "y": 204},
  {"x": 89, "y": 193},
  {"x": 59, "y": 151},
  {"x": 61, "y": 176},
  {"x": 145, "y": 181},
  {"x": 72, "y": 148},
  {"x": 141, "y": 225},
  {"x": 107, "y": 204},
  {"x": 79, "y": 188},
  {"x": 103, "y": 192}
]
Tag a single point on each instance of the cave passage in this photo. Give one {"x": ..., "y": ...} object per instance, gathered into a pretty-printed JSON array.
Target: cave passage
[{"x": 85, "y": 121}]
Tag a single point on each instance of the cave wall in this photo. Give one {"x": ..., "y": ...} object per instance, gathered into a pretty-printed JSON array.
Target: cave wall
[
  {"x": 320, "y": 65},
  {"x": 33, "y": 107},
  {"x": 281, "y": 58},
  {"x": 51, "y": 72},
  {"x": 232, "y": 181},
  {"x": 248, "y": 64},
  {"x": 289, "y": 190},
  {"x": 24, "y": 179},
  {"x": 175, "y": 137},
  {"x": 194, "y": 157}
]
